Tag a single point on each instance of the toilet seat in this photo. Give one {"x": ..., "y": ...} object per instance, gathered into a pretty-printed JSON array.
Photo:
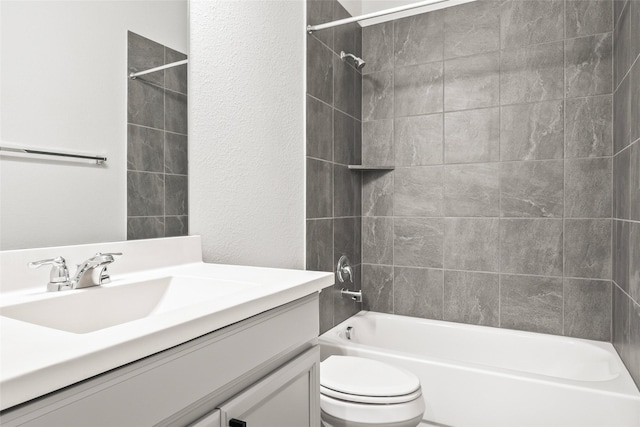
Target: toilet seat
[
  {"x": 366, "y": 378},
  {"x": 373, "y": 400}
]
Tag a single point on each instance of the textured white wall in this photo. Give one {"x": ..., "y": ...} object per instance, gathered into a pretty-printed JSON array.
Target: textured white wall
[
  {"x": 246, "y": 131},
  {"x": 64, "y": 86}
]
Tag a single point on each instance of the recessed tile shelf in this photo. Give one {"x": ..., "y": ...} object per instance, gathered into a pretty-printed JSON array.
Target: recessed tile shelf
[{"x": 371, "y": 168}]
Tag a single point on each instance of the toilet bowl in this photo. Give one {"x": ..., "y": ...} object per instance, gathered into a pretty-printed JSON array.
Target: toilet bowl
[{"x": 359, "y": 392}]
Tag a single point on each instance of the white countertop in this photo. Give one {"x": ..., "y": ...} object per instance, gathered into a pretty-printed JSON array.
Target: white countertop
[{"x": 36, "y": 360}]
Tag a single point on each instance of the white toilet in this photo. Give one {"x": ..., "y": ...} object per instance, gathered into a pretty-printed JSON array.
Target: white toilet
[{"x": 358, "y": 392}]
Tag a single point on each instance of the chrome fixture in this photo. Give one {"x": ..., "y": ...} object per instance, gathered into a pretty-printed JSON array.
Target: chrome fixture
[
  {"x": 344, "y": 269},
  {"x": 59, "y": 275},
  {"x": 358, "y": 62},
  {"x": 98, "y": 159},
  {"x": 354, "y": 295},
  {"x": 312, "y": 28},
  {"x": 92, "y": 272},
  {"x": 133, "y": 75},
  {"x": 349, "y": 332}
]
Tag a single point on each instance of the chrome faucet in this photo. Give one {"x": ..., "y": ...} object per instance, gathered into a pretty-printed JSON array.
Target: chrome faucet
[{"x": 92, "y": 272}]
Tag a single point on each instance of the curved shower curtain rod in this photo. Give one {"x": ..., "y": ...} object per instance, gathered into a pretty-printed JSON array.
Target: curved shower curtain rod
[{"x": 312, "y": 28}]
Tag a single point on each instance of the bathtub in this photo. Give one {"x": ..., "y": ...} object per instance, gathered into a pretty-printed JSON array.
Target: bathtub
[{"x": 480, "y": 376}]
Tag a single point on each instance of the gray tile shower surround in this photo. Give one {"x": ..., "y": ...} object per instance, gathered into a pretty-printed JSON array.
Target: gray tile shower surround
[
  {"x": 157, "y": 168},
  {"x": 508, "y": 123}
]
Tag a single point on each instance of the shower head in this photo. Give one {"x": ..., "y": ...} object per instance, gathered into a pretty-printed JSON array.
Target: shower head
[{"x": 358, "y": 62}]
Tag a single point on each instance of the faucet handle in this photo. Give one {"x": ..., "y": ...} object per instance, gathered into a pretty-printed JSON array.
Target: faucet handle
[
  {"x": 104, "y": 276},
  {"x": 59, "y": 275}
]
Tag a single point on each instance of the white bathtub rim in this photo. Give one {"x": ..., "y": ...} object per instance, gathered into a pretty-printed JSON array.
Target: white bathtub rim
[{"x": 620, "y": 386}]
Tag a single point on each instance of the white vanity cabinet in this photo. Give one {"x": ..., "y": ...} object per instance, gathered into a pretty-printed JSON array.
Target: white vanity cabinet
[{"x": 260, "y": 372}]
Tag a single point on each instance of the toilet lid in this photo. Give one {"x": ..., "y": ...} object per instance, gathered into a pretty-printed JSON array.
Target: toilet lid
[{"x": 366, "y": 377}]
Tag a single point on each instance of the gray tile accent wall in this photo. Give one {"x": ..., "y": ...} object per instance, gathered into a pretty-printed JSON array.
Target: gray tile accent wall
[
  {"x": 499, "y": 211},
  {"x": 334, "y": 129},
  {"x": 157, "y": 165},
  {"x": 626, "y": 185}
]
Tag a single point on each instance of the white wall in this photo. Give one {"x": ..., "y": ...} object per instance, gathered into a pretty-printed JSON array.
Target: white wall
[
  {"x": 246, "y": 131},
  {"x": 64, "y": 86}
]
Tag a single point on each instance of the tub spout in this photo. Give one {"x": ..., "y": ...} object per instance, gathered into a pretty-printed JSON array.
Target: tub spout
[{"x": 354, "y": 295}]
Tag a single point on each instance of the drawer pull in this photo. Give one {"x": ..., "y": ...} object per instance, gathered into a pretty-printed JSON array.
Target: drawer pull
[{"x": 237, "y": 423}]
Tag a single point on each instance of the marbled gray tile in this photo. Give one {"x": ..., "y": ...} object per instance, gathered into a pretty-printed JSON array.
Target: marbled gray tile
[
  {"x": 634, "y": 260},
  {"x": 418, "y": 292},
  {"x": 145, "y": 149},
  {"x": 176, "y": 78},
  {"x": 634, "y": 181},
  {"x": 620, "y": 254},
  {"x": 377, "y": 193},
  {"x": 176, "y": 195},
  {"x": 534, "y": 73},
  {"x": 472, "y": 136},
  {"x": 145, "y": 194},
  {"x": 377, "y": 288},
  {"x": 377, "y": 96},
  {"x": 319, "y": 129},
  {"x": 587, "y": 309},
  {"x": 471, "y": 298},
  {"x": 621, "y": 175},
  {"x": 176, "y": 153},
  {"x": 531, "y": 246},
  {"x": 471, "y": 244},
  {"x": 175, "y": 112},
  {"x": 319, "y": 189},
  {"x": 145, "y": 104},
  {"x": 472, "y": 190},
  {"x": 176, "y": 226},
  {"x": 634, "y": 96},
  {"x": 143, "y": 54},
  {"x": 345, "y": 88},
  {"x": 588, "y": 17},
  {"x": 634, "y": 11},
  {"x": 418, "y": 242},
  {"x": 320, "y": 12},
  {"x": 471, "y": 28},
  {"x": 532, "y": 189},
  {"x": 418, "y": 140},
  {"x": 145, "y": 227},
  {"x": 531, "y": 22},
  {"x": 620, "y": 322},
  {"x": 532, "y": 131},
  {"x": 418, "y": 39},
  {"x": 326, "y": 308},
  {"x": 588, "y": 66},
  {"x": 531, "y": 303},
  {"x": 472, "y": 82},
  {"x": 344, "y": 35},
  {"x": 622, "y": 116},
  {"x": 377, "y": 47},
  {"x": 622, "y": 46},
  {"x": 587, "y": 188},
  {"x": 617, "y": 9},
  {"x": 587, "y": 248},
  {"x": 418, "y": 89},
  {"x": 357, "y": 142},
  {"x": 347, "y": 239},
  {"x": 588, "y": 126},
  {"x": 633, "y": 362},
  {"x": 344, "y": 146},
  {"x": 319, "y": 70},
  {"x": 377, "y": 240},
  {"x": 417, "y": 191},
  {"x": 347, "y": 192},
  {"x": 319, "y": 245},
  {"x": 377, "y": 143}
]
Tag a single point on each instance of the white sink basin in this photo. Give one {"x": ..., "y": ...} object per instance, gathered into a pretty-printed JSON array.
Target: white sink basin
[{"x": 99, "y": 307}]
